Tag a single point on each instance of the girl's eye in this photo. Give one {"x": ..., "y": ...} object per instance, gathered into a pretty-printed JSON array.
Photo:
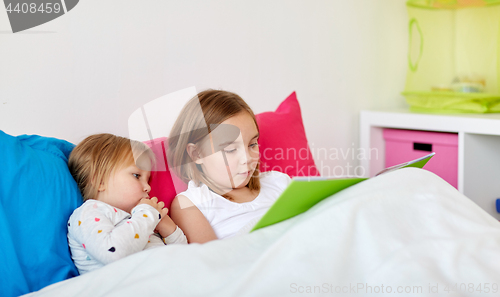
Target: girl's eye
[
  {"x": 136, "y": 175},
  {"x": 230, "y": 151},
  {"x": 254, "y": 144}
]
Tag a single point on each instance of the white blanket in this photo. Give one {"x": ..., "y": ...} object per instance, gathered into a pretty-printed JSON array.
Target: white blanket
[{"x": 407, "y": 231}]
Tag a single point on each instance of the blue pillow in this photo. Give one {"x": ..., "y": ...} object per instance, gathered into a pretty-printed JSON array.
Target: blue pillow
[{"x": 37, "y": 196}]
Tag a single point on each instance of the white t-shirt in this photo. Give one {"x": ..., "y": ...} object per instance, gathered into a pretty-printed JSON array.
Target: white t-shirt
[{"x": 227, "y": 217}]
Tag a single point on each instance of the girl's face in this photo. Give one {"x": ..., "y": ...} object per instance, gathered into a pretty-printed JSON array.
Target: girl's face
[
  {"x": 231, "y": 164},
  {"x": 125, "y": 187}
]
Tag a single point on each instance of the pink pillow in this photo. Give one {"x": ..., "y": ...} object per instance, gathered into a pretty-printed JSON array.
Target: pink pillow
[
  {"x": 164, "y": 185},
  {"x": 282, "y": 144}
]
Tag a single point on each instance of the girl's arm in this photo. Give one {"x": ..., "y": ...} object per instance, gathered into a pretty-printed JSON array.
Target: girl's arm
[
  {"x": 190, "y": 219},
  {"x": 104, "y": 241},
  {"x": 170, "y": 232}
]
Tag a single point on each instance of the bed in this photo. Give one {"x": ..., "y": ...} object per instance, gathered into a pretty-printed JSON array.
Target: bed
[{"x": 404, "y": 232}]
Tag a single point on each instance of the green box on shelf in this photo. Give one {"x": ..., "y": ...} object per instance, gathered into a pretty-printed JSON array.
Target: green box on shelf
[{"x": 454, "y": 56}]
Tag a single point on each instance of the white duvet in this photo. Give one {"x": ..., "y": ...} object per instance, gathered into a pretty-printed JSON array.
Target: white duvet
[{"x": 405, "y": 233}]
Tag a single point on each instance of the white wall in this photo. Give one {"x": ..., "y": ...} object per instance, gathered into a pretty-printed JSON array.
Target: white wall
[{"x": 87, "y": 71}]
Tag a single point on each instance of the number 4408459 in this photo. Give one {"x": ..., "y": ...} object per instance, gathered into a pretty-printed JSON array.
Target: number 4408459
[
  {"x": 34, "y": 8},
  {"x": 472, "y": 288}
]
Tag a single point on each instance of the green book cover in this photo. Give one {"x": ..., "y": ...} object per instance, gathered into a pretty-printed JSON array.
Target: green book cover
[{"x": 304, "y": 192}]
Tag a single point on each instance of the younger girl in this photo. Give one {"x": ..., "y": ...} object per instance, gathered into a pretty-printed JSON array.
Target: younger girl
[
  {"x": 213, "y": 146},
  {"x": 117, "y": 217}
]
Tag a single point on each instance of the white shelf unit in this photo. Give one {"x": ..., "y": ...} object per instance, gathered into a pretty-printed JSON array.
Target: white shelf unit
[{"x": 478, "y": 147}]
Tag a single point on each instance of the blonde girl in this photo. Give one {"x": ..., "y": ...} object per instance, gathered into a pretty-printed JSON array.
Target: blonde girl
[
  {"x": 117, "y": 218},
  {"x": 213, "y": 146}
]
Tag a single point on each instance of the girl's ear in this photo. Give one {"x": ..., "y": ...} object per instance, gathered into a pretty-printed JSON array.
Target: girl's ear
[
  {"x": 194, "y": 153},
  {"x": 101, "y": 188}
]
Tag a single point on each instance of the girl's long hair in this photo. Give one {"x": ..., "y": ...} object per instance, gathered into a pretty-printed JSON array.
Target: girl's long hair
[{"x": 208, "y": 108}]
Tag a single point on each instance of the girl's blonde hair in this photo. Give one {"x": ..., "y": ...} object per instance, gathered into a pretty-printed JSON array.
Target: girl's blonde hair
[
  {"x": 194, "y": 124},
  {"x": 93, "y": 160}
]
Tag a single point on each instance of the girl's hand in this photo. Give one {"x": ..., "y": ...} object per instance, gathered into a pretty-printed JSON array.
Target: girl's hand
[
  {"x": 166, "y": 226},
  {"x": 160, "y": 206}
]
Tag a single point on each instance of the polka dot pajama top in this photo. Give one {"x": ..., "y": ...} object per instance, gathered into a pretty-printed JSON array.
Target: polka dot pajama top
[{"x": 99, "y": 233}]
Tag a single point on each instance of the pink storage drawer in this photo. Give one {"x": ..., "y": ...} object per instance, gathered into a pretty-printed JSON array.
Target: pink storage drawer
[{"x": 406, "y": 145}]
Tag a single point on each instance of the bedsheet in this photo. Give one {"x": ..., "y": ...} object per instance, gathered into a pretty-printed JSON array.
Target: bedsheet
[{"x": 405, "y": 233}]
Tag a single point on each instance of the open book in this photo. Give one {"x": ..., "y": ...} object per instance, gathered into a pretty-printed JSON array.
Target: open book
[{"x": 304, "y": 192}]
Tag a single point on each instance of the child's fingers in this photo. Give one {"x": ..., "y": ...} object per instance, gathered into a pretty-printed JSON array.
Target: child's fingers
[
  {"x": 144, "y": 201},
  {"x": 154, "y": 199},
  {"x": 164, "y": 212},
  {"x": 161, "y": 205}
]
